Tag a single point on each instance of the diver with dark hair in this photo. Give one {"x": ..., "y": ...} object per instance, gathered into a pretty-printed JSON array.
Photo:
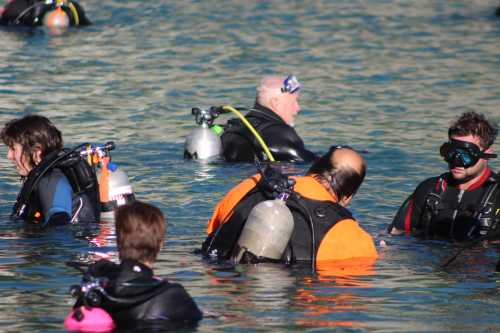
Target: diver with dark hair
[
  {"x": 463, "y": 203},
  {"x": 323, "y": 230},
  {"x": 59, "y": 187},
  {"x": 129, "y": 292},
  {"x": 272, "y": 116},
  {"x": 51, "y": 13}
]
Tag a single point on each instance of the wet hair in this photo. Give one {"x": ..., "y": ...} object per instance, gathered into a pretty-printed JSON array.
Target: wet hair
[
  {"x": 32, "y": 132},
  {"x": 472, "y": 123},
  {"x": 140, "y": 231},
  {"x": 344, "y": 181}
]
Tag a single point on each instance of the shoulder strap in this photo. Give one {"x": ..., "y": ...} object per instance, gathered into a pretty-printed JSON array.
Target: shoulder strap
[
  {"x": 70, "y": 163},
  {"x": 223, "y": 240},
  {"x": 432, "y": 202},
  {"x": 31, "y": 182},
  {"x": 485, "y": 215}
]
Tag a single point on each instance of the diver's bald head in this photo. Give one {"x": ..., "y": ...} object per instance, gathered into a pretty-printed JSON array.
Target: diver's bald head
[
  {"x": 284, "y": 104},
  {"x": 347, "y": 158},
  {"x": 342, "y": 169}
]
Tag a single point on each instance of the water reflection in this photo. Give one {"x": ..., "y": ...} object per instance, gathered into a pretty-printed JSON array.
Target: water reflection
[{"x": 332, "y": 297}]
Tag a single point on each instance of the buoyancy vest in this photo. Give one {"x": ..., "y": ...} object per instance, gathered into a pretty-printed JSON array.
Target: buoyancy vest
[
  {"x": 31, "y": 12},
  {"x": 81, "y": 177},
  {"x": 448, "y": 215},
  {"x": 315, "y": 212},
  {"x": 130, "y": 292},
  {"x": 240, "y": 145}
]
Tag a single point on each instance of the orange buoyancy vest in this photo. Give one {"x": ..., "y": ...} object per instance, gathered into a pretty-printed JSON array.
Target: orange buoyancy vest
[{"x": 337, "y": 235}]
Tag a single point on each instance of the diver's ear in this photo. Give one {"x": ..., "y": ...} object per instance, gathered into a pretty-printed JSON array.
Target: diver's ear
[
  {"x": 345, "y": 201},
  {"x": 37, "y": 155},
  {"x": 273, "y": 103}
]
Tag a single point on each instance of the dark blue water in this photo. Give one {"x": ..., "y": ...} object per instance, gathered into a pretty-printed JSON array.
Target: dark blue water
[{"x": 386, "y": 77}]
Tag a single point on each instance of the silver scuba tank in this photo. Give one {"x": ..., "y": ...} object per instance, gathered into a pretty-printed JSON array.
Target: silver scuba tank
[
  {"x": 203, "y": 143},
  {"x": 267, "y": 230},
  {"x": 118, "y": 186}
]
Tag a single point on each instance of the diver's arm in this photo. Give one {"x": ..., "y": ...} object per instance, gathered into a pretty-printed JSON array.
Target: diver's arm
[
  {"x": 408, "y": 217},
  {"x": 397, "y": 226},
  {"x": 346, "y": 240},
  {"x": 55, "y": 195},
  {"x": 286, "y": 145}
]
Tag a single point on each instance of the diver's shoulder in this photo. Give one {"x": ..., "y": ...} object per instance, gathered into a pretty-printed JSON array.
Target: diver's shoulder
[{"x": 430, "y": 183}]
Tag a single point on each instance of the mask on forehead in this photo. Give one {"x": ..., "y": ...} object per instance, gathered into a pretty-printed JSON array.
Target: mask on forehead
[
  {"x": 462, "y": 153},
  {"x": 291, "y": 85}
]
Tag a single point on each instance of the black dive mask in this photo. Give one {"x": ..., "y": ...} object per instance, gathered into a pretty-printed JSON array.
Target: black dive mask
[{"x": 462, "y": 153}]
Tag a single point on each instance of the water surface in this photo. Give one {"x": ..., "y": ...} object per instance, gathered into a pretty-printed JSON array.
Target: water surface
[{"x": 386, "y": 77}]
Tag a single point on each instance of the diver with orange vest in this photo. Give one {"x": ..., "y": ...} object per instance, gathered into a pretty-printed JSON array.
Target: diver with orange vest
[
  {"x": 322, "y": 229},
  {"x": 51, "y": 13}
]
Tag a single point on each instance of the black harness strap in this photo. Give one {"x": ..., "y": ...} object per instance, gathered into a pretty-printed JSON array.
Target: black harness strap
[
  {"x": 483, "y": 214},
  {"x": 80, "y": 175}
]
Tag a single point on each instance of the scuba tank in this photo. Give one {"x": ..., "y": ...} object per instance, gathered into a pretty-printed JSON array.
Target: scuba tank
[
  {"x": 114, "y": 187},
  {"x": 267, "y": 230},
  {"x": 203, "y": 142},
  {"x": 269, "y": 225}
]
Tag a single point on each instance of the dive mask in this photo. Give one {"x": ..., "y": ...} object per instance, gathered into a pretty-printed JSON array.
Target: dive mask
[
  {"x": 462, "y": 153},
  {"x": 291, "y": 84}
]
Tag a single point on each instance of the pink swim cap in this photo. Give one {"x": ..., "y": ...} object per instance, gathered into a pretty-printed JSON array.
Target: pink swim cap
[{"x": 94, "y": 320}]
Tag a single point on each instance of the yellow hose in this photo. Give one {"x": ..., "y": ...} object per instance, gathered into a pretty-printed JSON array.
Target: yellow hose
[
  {"x": 252, "y": 129},
  {"x": 75, "y": 13}
]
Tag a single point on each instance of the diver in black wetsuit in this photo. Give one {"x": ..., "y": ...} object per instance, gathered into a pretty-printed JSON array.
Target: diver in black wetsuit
[
  {"x": 33, "y": 13},
  {"x": 130, "y": 293},
  {"x": 57, "y": 186},
  {"x": 275, "y": 109},
  {"x": 464, "y": 203}
]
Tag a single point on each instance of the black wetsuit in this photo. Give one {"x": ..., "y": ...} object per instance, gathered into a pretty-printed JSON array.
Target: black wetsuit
[
  {"x": 240, "y": 145},
  {"x": 48, "y": 197},
  {"x": 439, "y": 209},
  {"x": 139, "y": 296},
  {"x": 31, "y": 12}
]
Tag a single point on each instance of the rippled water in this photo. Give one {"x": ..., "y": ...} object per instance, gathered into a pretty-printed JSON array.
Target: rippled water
[{"x": 386, "y": 77}]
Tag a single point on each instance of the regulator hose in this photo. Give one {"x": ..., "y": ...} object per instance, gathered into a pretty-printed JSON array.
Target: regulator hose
[{"x": 252, "y": 129}]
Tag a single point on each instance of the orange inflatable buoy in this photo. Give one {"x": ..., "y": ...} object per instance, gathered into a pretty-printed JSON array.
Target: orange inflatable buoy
[{"x": 56, "y": 20}]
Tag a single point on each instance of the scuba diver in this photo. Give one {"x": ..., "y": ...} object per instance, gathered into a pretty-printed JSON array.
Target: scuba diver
[
  {"x": 59, "y": 187},
  {"x": 322, "y": 229},
  {"x": 462, "y": 204},
  {"x": 54, "y": 14},
  {"x": 272, "y": 116},
  {"x": 129, "y": 292}
]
